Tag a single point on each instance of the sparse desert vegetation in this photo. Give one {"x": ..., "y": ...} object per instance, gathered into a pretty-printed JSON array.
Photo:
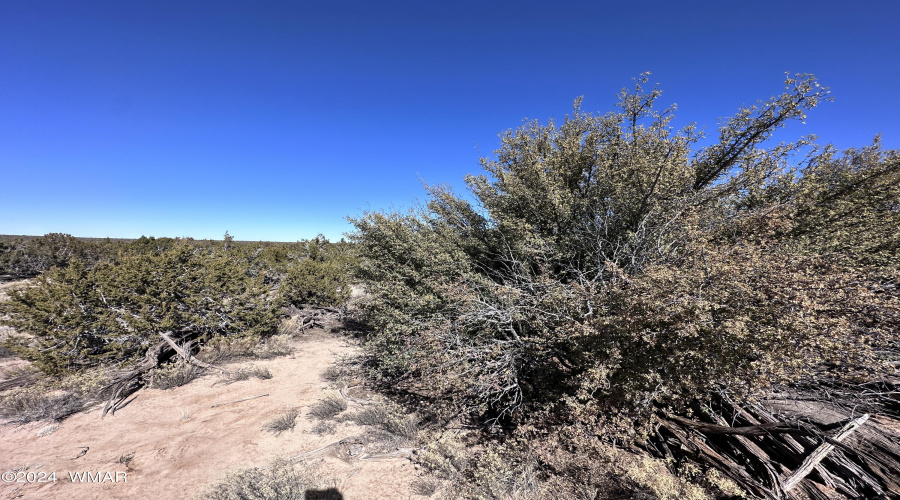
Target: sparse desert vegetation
[
  {"x": 328, "y": 407},
  {"x": 281, "y": 480},
  {"x": 283, "y": 422},
  {"x": 248, "y": 372},
  {"x": 172, "y": 375}
]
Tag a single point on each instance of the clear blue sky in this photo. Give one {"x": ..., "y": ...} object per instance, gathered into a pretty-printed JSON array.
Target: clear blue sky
[{"x": 274, "y": 120}]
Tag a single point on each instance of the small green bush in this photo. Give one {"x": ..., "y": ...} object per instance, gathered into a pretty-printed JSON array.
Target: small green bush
[{"x": 315, "y": 282}]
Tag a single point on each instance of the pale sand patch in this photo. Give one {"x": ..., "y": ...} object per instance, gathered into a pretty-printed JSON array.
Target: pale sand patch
[{"x": 174, "y": 457}]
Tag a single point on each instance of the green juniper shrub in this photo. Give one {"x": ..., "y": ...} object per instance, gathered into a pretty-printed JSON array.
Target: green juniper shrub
[
  {"x": 111, "y": 313},
  {"x": 316, "y": 282},
  {"x": 30, "y": 256}
]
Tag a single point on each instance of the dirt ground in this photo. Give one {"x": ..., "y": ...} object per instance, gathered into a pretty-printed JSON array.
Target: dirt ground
[{"x": 179, "y": 443}]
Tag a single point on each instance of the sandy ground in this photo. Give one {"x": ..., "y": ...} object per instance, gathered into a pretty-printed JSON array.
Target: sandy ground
[{"x": 180, "y": 443}]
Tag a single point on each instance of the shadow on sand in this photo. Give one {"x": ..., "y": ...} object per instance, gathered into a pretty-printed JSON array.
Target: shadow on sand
[{"x": 329, "y": 494}]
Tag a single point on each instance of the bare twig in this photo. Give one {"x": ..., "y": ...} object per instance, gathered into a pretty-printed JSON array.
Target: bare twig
[{"x": 240, "y": 400}]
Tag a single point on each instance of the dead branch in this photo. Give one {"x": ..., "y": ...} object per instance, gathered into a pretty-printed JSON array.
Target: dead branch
[
  {"x": 706, "y": 454},
  {"x": 125, "y": 383},
  {"x": 316, "y": 452},
  {"x": 186, "y": 355},
  {"x": 813, "y": 464},
  {"x": 821, "y": 452},
  {"x": 750, "y": 430},
  {"x": 240, "y": 400}
]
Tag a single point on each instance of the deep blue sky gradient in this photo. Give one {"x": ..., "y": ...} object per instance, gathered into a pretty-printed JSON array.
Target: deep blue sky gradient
[{"x": 274, "y": 120}]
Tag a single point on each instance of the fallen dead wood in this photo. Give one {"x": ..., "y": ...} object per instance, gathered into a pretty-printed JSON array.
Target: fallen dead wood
[
  {"x": 355, "y": 449},
  {"x": 750, "y": 430},
  {"x": 821, "y": 452},
  {"x": 774, "y": 453},
  {"x": 311, "y": 316},
  {"x": 187, "y": 356},
  {"x": 239, "y": 400},
  {"x": 127, "y": 382},
  {"x": 317, "y": 452},
  {"x": 704, "y": 453},
  {"x": 16, "y": 277},
  {"x": 788, "y": 446},
  {"x": 398, "y": 453}
]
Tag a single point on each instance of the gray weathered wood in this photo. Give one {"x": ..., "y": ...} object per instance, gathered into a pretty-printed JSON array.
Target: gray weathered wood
[
  {"x": 820, "y": 453},
  {"x": 186, "y": 355}
]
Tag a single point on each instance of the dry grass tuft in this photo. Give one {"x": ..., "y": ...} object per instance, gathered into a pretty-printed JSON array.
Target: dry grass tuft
[
  {"x": 492, "y": 472},
  {"x": 328, "y": 407},
  {"x": 284, "y": 422},
  {"x": 247, "y": 373},
  {"x": 173, "y": 375},
  {"x": 6, "y": 353},
  {"x": 425, "y": 486},
  {"x": 273, "y": 347},
  {"x": 281, "y": 481},
  {"x": 345, "y": 369},
  {"x": 53, "y": 399},
  {"x": 323, "y": 427},
  {"x": 225, "y": 349},
  {"x": 388, "y": 418}
]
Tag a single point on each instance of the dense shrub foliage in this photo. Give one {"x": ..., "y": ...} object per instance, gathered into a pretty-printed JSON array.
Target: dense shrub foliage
[
  {"x": 322, "y": 278},
  {"x": 30, "y": 256},
  {"x": 112, "y": 311},
  {"x": 608, "y": 270},
  {"x": 317, "y": 282}
]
